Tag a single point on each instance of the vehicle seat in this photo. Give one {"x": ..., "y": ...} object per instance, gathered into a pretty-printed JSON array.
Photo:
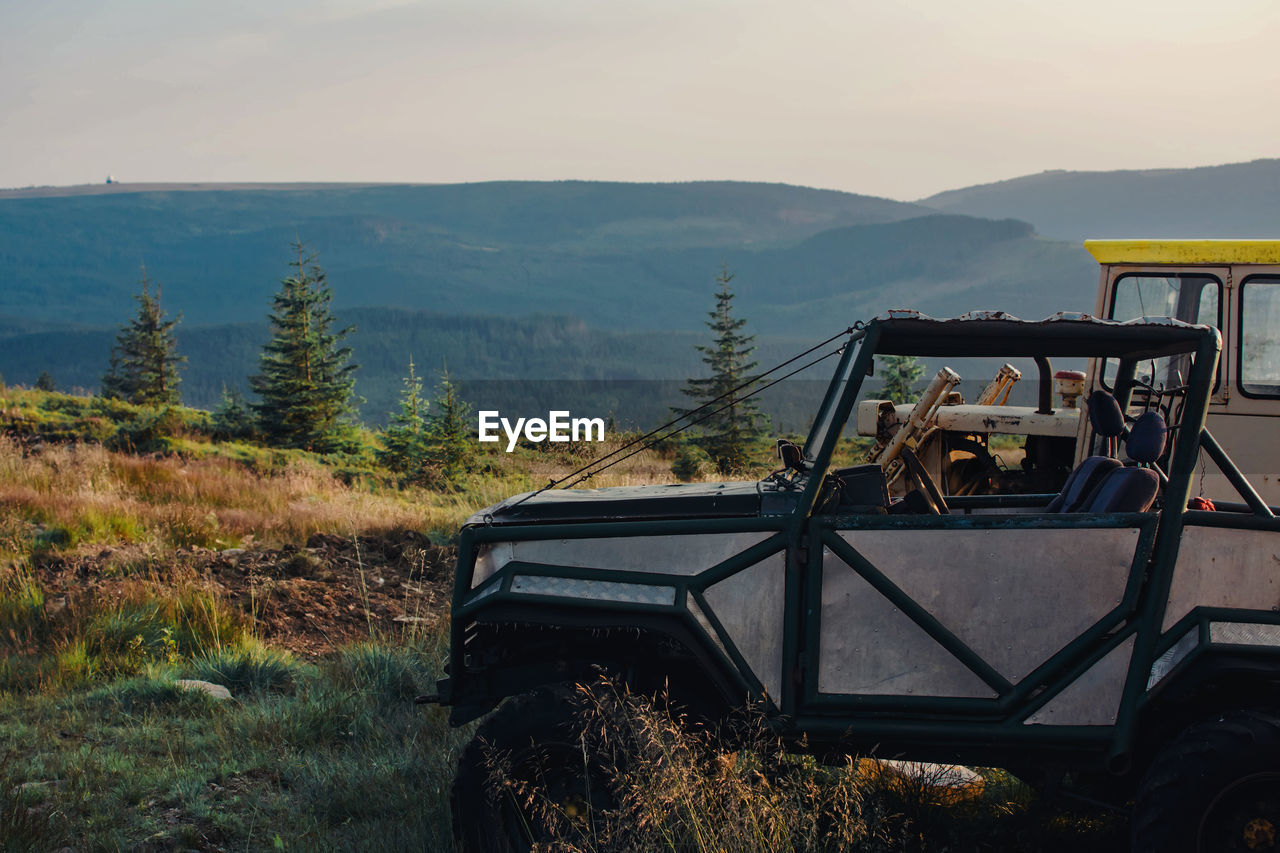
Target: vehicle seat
[
  {"x": 1134, "y": 489},
  {"x": 1108, "y": 422}
]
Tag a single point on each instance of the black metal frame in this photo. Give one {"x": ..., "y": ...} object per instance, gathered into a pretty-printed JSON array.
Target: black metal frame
[{"x": 948, "y": 725}]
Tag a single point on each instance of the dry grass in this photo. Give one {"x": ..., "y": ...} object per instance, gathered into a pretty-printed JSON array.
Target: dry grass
[
  {"x": 672, "y": 786},
  {"x": 84, "y": 495}
]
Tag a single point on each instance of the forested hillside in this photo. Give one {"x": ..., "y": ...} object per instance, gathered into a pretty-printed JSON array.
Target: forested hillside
[
  {"x": 528, "y": 281},
  {"x": 616, "y": 256},
  {"x": 76, "y": 257},
  {"x": 499, "y": 359}
]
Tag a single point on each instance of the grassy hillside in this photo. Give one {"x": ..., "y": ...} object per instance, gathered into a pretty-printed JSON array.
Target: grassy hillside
[
  {"x": 1234, "y": 200},
  {"x": 309, "y": 589}
]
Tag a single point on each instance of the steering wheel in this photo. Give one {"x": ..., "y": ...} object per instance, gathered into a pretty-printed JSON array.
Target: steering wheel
[{"x": 928, "y": 488}]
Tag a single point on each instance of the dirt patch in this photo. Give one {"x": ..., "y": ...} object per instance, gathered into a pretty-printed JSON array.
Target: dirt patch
[{"x": 309, "y": 600}]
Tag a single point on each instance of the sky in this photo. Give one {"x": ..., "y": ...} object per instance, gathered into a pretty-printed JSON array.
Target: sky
[{"x": 896, "y": 98}]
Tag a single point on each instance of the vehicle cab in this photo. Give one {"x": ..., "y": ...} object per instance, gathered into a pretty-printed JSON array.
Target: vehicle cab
[{"x": 1234, "y": 286}]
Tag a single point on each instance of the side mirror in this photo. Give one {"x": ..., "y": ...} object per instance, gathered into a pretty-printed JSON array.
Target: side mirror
[{"x": 791, "y": 455}]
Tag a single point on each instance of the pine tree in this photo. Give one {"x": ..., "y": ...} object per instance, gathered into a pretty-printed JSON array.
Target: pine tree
[
  {"x": 232, "y": 419},
  {"x": 727, "y": 436},
  {"x": 144, "y": 365},
  {"x": 899, "y": 373},
  {"x": 405, "y": 438},
  {"x": 449, "y": 437},
  {"x": 429, "y": 443},
  {"x": 44, "y": 382},
  {"x": 305, "y": 381}
]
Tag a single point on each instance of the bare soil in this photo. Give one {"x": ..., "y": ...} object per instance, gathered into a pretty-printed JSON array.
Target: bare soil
[{"x": 308, "y": 600}]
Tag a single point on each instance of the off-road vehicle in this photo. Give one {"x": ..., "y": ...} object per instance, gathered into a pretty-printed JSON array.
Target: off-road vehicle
[{"x": 1122, "y": 627}]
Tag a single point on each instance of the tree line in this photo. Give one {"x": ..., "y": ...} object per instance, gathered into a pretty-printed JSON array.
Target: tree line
[{"x": 304, "y": 386}]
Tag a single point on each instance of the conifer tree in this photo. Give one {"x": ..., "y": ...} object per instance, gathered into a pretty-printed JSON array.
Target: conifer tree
[
  {"x": 727, "y": 436},
  {"x": 405, "y": 444},
  {"x": 429, "y": 443},
  {"x": 144, "y": 363},
  {"x": 305, "y": 381},
  {"x": 449, "y": 438},
  {"x": 899, "y": 373},
  {"x": 232, "y": 418},
  {"x": 44, "y": 382}
]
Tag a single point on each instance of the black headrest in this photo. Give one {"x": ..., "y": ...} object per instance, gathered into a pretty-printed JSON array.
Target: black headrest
[
  {"x": 1147, "y": 437},
  {"x": 1105, "y": 414}
]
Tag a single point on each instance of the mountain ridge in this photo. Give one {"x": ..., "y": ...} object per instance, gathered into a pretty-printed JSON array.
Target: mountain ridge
[{"x": 1228, "y": 200}]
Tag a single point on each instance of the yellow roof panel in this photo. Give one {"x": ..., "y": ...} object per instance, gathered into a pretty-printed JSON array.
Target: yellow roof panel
[{"x": 1184, "y": 251}]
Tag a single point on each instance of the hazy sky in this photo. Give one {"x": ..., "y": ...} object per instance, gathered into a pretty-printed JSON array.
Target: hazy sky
[{"x": 901, "y": 98}]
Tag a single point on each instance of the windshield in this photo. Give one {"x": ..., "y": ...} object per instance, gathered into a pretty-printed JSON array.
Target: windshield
[{"x": 1189, "y": 298}]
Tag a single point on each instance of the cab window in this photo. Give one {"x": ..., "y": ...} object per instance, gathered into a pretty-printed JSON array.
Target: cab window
[
  {"x": 1186, "y": 297},
  {"x": 1189, "y": 298},
  {"x": 1259, "y": 366}
]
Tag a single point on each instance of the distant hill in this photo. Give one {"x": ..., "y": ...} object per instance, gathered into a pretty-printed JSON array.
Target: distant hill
[
  {"x": 76, "y": 257},
  {"x": 618, "y": 256},
  {"x": 531, "y": 281},
  {"x": 1236, "y": 200}
]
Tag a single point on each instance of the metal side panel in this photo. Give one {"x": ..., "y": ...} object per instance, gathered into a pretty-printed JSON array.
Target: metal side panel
[
  {"x": 1253, "y": 443},
  {"x": 749, "y": 605},
  {"x": 668, "y": 554},
  {"x": 1225, "y": 567},
  {"x": 1015, "y": 596},
  {"x": 705, "y": 624},
  {"x": 1244, "y": 634},
  {"x": 1093, "y": 699},
  {"x": 593, "y": 590},
  {"x": 867, "y": 646}
]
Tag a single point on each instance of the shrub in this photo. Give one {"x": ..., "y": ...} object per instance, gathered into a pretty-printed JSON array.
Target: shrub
[
  {"x": 232, "y": 419},
  {"x": 691, "y": 463},
  {"x": 673, "y": 786},
  {"x": 149, "y": 431},
  {"x": 52, "y": 538}
]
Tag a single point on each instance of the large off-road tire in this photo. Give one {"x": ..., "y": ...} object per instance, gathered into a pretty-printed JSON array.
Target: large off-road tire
[
  {"x": 1215, "y": 788},
  {"x": 534, "y": 739}
]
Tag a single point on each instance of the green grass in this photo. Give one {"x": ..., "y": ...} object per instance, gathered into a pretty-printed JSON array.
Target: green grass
[
  {"x": 297, "y": 755},
  {"x": 246, "y": 668}
]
